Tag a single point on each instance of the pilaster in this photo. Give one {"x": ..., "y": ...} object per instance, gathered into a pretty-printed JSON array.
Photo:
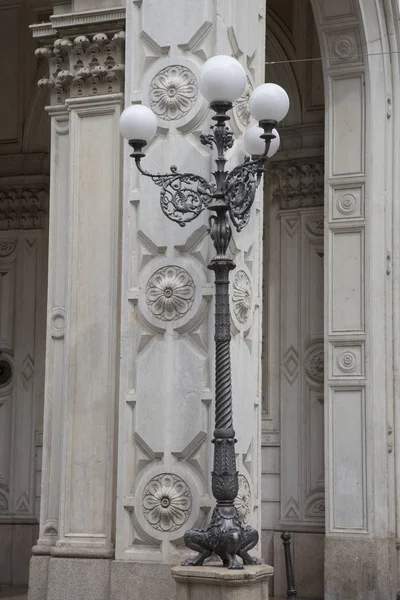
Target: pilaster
[
  {"x": 358, "y": 401},
  {"x": 85, "y": 53}
]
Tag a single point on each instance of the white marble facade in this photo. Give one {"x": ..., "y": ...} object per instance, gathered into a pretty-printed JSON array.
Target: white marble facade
[{"x": 110, "y": 405}]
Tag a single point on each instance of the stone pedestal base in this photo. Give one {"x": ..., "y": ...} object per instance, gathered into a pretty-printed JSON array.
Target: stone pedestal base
[{"x": 218, "y": 583}]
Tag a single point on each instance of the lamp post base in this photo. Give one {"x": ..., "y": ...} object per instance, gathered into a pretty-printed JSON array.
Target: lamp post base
[
  {"x": 226, "y": 537},
  {"x": 218, "y": 583}
]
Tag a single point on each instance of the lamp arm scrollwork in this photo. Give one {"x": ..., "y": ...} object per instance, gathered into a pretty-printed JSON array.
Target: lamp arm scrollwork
[
  {"x": 241, "y": 186},
  {"x": 183, "y": 195}
]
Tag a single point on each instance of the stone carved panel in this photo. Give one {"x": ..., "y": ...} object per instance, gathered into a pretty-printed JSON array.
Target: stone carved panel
[
  {"x": 347, "y": 360},
  {"x": 302, "y": 363},
  {"x": 167, "y": 502},
  {"x": 170, "y": 293},
  {"x": 173, "y": 92},
  {"x": 349, "y": 142},
  {"x": 345, "y": 48},
  {"x": 86, "y": 65},
  {"x": 187, "y": 399},
  {"x": 298, "y": 185},
  {"x": 22, "y": 209},
  {"x": 348, "y": 203}
]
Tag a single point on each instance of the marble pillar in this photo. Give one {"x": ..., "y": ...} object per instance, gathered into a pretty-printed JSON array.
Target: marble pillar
[{"x": 78, "y": 485}]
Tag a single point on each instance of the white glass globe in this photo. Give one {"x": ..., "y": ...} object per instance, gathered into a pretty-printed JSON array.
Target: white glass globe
[
  {"x": 269, "y": 102},
  {"x": 255, "y": 146},
  {"x": 138, "y": 122},
  {"x": 222, "y": 79}
]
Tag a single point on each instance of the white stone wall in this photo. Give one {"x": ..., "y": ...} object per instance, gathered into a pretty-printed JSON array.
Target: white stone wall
[{"x": 167, "y": 373}]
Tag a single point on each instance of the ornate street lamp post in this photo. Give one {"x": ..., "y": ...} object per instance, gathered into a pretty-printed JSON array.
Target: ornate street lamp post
[{"x": 183, "y": 197}]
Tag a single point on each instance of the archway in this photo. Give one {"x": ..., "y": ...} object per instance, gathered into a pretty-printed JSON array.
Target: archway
[
  {"x": 360, "y": 67},
  {"x": 293, "y": 423}
]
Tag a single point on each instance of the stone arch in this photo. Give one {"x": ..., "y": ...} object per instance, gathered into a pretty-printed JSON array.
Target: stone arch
[
  {"x": 360, "y": 90},
  {"x": 280, "y": 48}
]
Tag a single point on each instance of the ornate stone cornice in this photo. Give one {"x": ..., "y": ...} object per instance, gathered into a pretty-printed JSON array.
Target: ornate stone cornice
[
  {"x": 85, "y": 65},
  {"x": 23, "y": 207},
  {"x": 298, "y": 185},
  {"x": 80, "y": 22}
]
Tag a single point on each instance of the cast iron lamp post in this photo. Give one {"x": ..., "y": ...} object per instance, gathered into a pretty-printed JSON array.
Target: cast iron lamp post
[{"x": 183, "y": 197}]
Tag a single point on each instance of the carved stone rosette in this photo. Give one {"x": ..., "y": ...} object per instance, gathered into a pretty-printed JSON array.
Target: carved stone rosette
[
  {"x": 166, "y": 502},
  {"x": 85, "y": 65},
  {"x": 243, "y": 499},
  {"x": 242, "y": 105},
  {"x": 170, "y": 293},
  {"x": 173, "y": 92},
  {"x": 241, "y": 296}
]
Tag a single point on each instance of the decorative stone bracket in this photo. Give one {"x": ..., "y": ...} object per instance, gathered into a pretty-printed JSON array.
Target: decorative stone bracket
[{"x": 85, "y": 65}]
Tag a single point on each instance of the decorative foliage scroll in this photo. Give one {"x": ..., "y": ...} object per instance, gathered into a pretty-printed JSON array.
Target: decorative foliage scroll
[{"x": 184, "y": 196}]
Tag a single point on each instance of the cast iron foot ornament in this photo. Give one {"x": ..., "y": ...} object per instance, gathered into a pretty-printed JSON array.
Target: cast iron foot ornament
[{"x": 226, "y": 537}]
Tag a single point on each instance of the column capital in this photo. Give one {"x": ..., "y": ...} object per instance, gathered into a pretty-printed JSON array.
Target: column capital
[{"x": 83, "y": 64}]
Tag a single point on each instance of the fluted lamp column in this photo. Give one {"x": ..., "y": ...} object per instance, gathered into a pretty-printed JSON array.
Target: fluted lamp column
[{"x": 229, "y": 198}]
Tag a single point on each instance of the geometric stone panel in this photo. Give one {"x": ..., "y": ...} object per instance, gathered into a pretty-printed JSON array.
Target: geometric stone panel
[
  {"x": 348, "y": 132},
  {"x": 347, "y": 359},
  {"x": 347, "y": 301},
  {"x": 348, "y": 494},
  {"x": 345, "y": 47},
  {"x": 348, "y": 202}
]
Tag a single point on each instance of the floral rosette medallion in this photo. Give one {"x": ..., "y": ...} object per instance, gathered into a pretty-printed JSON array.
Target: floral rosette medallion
[
  {"x": 170, "y": 293},
  {"x": 167, "y": 502}
]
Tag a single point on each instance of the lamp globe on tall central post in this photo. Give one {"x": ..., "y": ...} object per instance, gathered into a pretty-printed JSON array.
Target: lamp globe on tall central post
[{"x": 183, "y": 198}]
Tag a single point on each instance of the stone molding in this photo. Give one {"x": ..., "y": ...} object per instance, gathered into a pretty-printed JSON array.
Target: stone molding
[
  {"x": 78, "y": 21},
  {"x": 85, "y": 65}
]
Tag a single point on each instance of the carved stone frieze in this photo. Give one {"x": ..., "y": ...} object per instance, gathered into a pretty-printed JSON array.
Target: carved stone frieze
[
  {"x": 173, "y": 92},
  {"x": 241, "y": 296},
  {"x": 298, "y": 185},
  {"x": 22, "y": 209},
  {"x": 166, "y": 502},
  {"x": 170, "y": 293},
  {"x": 87, "y": 65}
]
